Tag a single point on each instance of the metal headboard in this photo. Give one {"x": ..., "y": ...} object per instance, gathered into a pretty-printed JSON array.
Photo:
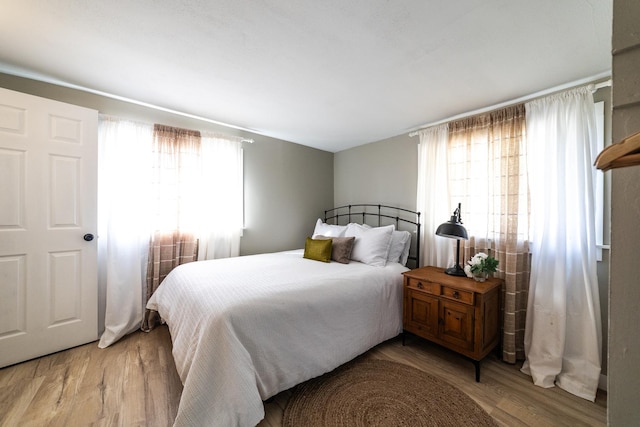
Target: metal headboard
[{"x": 377, "y": 216}]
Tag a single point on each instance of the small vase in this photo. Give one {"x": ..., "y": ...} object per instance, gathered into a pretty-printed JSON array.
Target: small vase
[{"x": 480, "y": 277}]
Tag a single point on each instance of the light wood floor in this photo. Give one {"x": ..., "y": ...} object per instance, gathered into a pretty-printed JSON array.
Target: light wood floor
[{"x": 134, "y": 383}]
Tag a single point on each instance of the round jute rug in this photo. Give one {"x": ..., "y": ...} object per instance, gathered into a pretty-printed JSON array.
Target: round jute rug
[{"x": 381, "y": 393}]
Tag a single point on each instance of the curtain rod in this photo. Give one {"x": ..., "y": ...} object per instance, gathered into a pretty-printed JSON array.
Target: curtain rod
[
  {"x": 413, "y": 132},
  {"x": 202, "y": 132}
]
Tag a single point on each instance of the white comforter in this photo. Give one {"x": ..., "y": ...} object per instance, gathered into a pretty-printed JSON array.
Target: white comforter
[{"x": 246, "y": 328}]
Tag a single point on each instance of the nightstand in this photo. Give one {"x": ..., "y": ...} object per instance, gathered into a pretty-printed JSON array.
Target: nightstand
[{"x": 455, "y": 312}]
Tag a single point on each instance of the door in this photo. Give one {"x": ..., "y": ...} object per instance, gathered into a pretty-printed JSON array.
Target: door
[{"x": 48, "y": 183}]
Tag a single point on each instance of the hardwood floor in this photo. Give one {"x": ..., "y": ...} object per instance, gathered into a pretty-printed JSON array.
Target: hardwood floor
[
  {"x": 132, "y": 383},
  {"x": 135, "y": 383}
]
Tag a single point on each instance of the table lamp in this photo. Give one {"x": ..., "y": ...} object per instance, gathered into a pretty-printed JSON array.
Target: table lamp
[{"x": 453, "y": 229}]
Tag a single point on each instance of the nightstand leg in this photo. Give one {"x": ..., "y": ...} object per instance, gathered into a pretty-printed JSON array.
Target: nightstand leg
[{"x": 475, "y": 362}]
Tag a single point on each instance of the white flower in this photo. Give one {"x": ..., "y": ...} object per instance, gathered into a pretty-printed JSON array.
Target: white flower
[
  {"x": 477, "y": 258},
  {"x": 477, "y": 264},
  {"x": 467, "y": 271}
]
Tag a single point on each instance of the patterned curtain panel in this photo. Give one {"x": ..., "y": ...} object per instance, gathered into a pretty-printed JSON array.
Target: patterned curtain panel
[
  {"x": 167, "y": 250},
  {"x": 488, "y": 175},
  {"x": 174, "y": 199}
]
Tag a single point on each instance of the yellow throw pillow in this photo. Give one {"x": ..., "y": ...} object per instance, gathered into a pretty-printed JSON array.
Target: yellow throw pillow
[{"x": 319, "y": 250}]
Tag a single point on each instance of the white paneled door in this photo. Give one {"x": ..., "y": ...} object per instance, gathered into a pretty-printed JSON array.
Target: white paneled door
[{"x": 48, "y": 184}]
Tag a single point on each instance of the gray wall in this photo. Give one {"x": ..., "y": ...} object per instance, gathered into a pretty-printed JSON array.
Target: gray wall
[
  {"x": 383, "y": 172},
  {"x": 387, "y": 171},
  {"x": 287, "y": 186},
  {"x": 624, "y": 292}
]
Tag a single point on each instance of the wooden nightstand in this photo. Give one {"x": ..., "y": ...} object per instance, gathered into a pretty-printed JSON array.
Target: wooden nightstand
[{"x": 455, "y": 312}]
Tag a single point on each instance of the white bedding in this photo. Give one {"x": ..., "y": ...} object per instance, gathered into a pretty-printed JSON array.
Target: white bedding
[{"x": 246, "y": 328}]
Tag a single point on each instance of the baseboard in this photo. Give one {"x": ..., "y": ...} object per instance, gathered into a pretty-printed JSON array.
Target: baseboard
[{"x": 602, "y": 384}]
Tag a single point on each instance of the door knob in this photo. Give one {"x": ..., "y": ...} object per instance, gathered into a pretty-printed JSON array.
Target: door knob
[{"x": 88, "y": 237}]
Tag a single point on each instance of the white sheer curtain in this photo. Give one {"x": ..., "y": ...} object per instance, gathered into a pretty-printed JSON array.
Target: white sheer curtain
[
  {"x": 563, "y": 331},
  {"x": 123, "y": 235},
  {"x": 433, "y": 195},
  {"x": 221, "y": 219}
]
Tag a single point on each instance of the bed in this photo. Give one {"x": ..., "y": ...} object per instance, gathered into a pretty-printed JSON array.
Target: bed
[{"x": 246, "y": 328}]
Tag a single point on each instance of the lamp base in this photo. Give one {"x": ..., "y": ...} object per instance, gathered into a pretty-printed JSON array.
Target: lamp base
[{"x": 456, "y": 270}]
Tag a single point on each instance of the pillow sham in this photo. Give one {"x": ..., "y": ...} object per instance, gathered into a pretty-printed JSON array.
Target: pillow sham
[
  {"x": 329, "y": 230},
  {"x": 399, "y": 250},
  {"x": 318, "y": 250},
  {"x": 341, "y": 248},
  {"x": 371, "y": 245}
]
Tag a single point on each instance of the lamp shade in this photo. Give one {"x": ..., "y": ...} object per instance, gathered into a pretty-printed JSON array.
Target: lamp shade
[{"x": 452, "y": 229}]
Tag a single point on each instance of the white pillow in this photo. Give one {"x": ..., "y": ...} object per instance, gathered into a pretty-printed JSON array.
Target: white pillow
[
  {"x": 328, "y": 230},
  {"x": 371, "y": 245},
  {"x": 399, "y": 250}
]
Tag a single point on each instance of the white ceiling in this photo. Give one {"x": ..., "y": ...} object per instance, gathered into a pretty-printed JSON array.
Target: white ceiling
[{"x": 329, "y": 74}]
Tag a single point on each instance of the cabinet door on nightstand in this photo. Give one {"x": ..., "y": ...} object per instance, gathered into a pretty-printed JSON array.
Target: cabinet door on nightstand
[
  {"x": 420, "y": 313},
  {"x": 457, "y": 324}
]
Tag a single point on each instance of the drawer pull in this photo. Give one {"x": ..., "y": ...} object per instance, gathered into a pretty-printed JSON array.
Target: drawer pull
[
  {"x": 419, "y": 285},
  {"x": 456, "y": 294}
]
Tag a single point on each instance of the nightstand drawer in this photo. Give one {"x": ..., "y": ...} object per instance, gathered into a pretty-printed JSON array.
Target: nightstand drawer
[
  {"x": 423, "y": 285},
  {"x": 457, "y": 295}
]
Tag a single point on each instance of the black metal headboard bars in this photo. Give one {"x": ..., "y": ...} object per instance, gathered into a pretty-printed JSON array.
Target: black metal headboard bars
[{"x": 377, "y": 216}]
